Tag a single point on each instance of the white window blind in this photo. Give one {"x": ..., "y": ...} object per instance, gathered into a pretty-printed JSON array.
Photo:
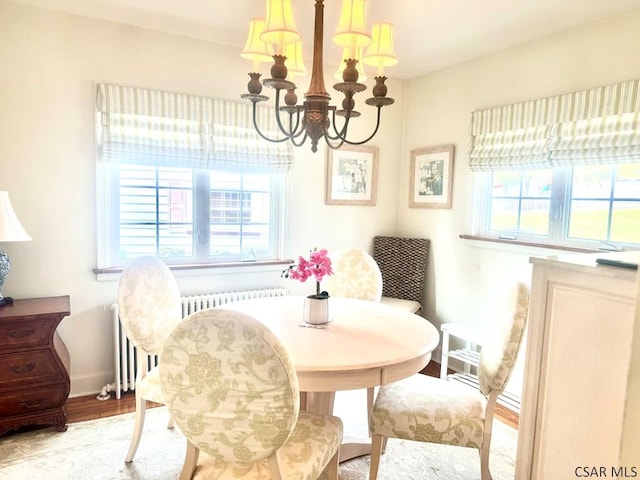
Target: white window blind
[
  {"x": 596, "y": 126},
  {"x": 155, "y": 128}
]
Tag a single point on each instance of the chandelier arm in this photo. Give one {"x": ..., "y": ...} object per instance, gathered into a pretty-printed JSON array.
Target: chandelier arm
[
  {"x": 343, "y": 131},
  {"x": 298, "y": 130},
  {"x": 304, "y": 139},
  {"x": 289, "y": 134},
  {"x": 300, "y": 126},
  {"x": 370, "y": 136},
  {"x": 332, "y": 146},
  {"x": 255, "y": 125}
]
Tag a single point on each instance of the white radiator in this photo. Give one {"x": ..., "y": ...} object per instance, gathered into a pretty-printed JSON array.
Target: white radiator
[{"x": 125, "y": 353}]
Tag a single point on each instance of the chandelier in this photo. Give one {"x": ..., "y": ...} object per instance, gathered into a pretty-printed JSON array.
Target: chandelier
[{"x": 277, "y": 39}]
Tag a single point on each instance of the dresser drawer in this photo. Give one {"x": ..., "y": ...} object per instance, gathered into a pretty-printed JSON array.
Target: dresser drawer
[
  {"x": 24, "y": 334},
  {"x": 19, "y": 369},
  {"x": 34, "y": 400}
]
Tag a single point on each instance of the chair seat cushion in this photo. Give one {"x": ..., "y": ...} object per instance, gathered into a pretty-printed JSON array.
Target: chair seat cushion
[
  {"x": 304, "y": 456},
  {"x": 429, "y": 409},
  {"x": 407, "y": 305},
  {"x": 149, "y": 386}
]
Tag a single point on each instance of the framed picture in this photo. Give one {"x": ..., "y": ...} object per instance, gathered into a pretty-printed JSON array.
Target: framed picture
[
  {"x": 431, "y": 177},
  {"x": 352, "y": 176}
]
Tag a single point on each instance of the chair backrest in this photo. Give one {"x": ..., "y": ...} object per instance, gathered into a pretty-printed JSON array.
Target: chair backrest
[
  {"x": 148, "y": 302},
  {"x": 355, "y": 275},
  {"x": 229, "y": 385},
  {"x": 500, "y": 349},
  {"x": 403, "y": 264}
]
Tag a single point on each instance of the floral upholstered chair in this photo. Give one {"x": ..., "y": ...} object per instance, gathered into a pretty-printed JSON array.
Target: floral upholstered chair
[
  {"x": 149, "y": 307},
  {"x": 231, "y": 388},
  {"x": 355, "y": 275},
  {"x": 434, "y": 410}
]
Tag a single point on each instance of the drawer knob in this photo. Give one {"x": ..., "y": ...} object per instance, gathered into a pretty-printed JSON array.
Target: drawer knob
[
  {"x": 22, "y": 369},
  {"x": 32, "y": 404}
]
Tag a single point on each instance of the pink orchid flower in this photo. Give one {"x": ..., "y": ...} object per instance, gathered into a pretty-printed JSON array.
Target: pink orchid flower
[{"x": 318, "y": 266}]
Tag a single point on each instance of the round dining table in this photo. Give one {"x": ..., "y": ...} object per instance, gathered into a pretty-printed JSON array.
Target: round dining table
[{"x": 365, "y": 344}]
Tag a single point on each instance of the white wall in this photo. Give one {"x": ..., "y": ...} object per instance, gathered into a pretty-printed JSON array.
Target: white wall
[{"x": 51, "y": 63}]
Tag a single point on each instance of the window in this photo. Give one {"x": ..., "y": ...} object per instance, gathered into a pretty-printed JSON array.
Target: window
[
  {"x": 561, "y": 170},
  {"x": 581, "y": 206},
  {"x": 186, "y": 179},
  {"x": 192, "y": 216}
]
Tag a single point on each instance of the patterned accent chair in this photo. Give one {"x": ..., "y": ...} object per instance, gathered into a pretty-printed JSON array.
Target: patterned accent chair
[
  {"x": 428, "y": 409},
  {"x": 355, "y": 275},
  {"x": 231, "y": 388},
  {"x": 149, "y": 307},
  {"x": 403, "y": 264}
]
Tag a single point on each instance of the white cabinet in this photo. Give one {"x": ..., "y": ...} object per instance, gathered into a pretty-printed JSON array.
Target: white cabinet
[{"x": 579, "y": 350}]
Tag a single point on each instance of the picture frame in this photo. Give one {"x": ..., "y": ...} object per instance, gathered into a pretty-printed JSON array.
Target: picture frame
[
  {"x": 431, "y": 177},
  {"x": 352, "y": 176}
]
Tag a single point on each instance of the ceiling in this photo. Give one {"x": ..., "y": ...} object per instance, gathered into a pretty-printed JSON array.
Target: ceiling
[{"x": 429, "y": 34}]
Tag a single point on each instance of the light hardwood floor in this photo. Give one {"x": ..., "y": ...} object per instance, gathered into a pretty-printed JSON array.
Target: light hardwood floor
[{"x": 88, "y": 407}]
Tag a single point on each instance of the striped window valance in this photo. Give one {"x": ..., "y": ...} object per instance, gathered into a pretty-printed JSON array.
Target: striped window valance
[
  {"x": 596, "y": 126},
  {"x": 151, "y": 127}
]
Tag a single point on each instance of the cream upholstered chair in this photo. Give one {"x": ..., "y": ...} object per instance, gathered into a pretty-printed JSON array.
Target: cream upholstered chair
[
  {"x": 149, "y": 307},
  {"x": 355, "y": 275},
  {"x": 428, "y": 409},
  {"x": 231, "y": 388},
  {"x": 403, "y": 264}
]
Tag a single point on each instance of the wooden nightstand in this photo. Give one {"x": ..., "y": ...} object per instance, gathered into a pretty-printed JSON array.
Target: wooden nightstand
[{"x": 34, "y": 364}]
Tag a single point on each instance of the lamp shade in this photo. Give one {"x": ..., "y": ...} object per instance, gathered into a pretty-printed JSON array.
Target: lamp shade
[
  {"x": 10, "y": 228},
  {"x": 280, "y": 27},
  {"x": 255, "y": 49},
  {"x": 381, "y": 53},
  {"x": 352, "y": 30},
  {"x": 295, "y": 62}
]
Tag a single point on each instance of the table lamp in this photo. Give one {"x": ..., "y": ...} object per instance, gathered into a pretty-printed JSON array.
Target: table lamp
[{"x": 10, "y": 231}]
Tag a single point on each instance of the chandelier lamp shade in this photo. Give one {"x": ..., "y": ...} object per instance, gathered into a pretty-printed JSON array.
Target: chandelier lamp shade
[
  {"x": 276, "y": 39},
  {"x": 255, "y": 49},
  {"x": 10, "y": 231},
  {"x": 380, "y": 53}
]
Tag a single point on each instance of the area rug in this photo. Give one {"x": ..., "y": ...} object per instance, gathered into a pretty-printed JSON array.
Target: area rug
[{"x": 95, "y": 450}]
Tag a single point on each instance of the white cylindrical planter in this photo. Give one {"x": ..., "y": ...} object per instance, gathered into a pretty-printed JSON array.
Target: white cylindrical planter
[{"x": 316, "y": 310}]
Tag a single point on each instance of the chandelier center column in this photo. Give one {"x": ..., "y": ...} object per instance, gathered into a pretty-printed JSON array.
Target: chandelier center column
[
  {"x": 317, "y": 99},
  {"x": 316, "y": 85}
]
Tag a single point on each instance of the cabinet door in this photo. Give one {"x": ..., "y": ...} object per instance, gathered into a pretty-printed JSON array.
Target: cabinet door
[{"x": 585, "y": 359}]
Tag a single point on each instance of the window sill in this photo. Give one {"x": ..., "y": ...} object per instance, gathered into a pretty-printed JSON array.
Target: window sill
[
  {"x": 113, "y": 273},
  {"x": 546, "y": 246}
]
